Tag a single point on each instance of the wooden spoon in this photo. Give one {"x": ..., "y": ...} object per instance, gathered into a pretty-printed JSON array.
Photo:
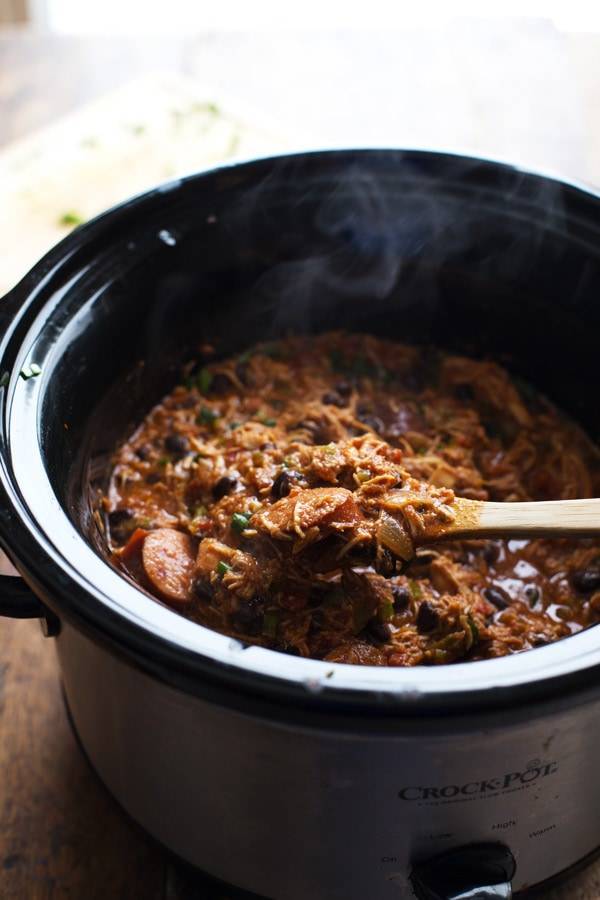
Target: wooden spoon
[{"x": 552, "y": 518}]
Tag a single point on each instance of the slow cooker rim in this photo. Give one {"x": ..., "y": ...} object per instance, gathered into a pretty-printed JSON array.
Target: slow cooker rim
[{"x": 27, "y": 547}]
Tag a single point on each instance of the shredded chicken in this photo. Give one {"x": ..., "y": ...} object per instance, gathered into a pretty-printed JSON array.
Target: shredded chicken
[{"x": 280, "y": 497}]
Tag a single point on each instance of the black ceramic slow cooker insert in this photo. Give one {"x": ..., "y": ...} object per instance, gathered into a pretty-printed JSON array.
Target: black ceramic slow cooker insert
[{"x": 288, "y": 777}]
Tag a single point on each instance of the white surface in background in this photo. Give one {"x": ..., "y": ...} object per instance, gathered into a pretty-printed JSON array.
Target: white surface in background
[
  {"x": 182, "y": 17},
  {"x": 154, "y": 129}
]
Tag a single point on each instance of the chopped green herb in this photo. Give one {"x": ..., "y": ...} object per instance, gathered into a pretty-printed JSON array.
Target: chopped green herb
[
  {"x": 163, "y": 460},
  {"x": 70, "y": 217},
  {"x": 234, "y": 425},
  {"x": 223, "y": 567},
  {"x": 207, "y": 416},
  {"x": 385, "y": 612},
  {"x": 204, "y": 107},
  {"x": 270, "y": 623},
  {"x": 30, "y": 371},
  {"x": 239, "y": 521},
  {"x": 415, "y": 589},
  {"x": 4, "y": 379},
  {"x": 268, "y": 421},
  {"x": 473, "y": 627},
  {"x": 204, "y": 380}
]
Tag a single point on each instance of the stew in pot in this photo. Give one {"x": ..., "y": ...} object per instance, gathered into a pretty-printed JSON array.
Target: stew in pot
[{"x": 278, "y": 497}]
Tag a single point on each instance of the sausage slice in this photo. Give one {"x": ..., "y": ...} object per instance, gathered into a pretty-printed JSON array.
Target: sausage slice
[{"x": 169, "y": 559}]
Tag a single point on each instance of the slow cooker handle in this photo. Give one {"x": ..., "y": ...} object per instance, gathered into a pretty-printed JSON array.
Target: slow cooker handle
[
  {"x": 474, "y": 872},
  {"x": 17, "y": 600}
]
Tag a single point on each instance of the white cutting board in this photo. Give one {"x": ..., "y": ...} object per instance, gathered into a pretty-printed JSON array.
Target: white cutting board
[{"x": 153, "y": 129}]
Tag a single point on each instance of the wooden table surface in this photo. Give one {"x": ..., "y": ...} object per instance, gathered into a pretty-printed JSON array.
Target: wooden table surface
[{"x": 520, "y": 91}]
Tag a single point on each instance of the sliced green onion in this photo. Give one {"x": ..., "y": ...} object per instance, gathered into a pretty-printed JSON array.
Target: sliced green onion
[
  {"x": 386, "y": 612},
  {"x": 270, "y": 623},
  {"x": 415, "y": 589},
  {"x": 207, "y": 416},
  {"x": 223, "y": 567},
  {"x": 239, "y": 521},
  {"x": 30, "y": 371},
  {"x": 204, "y": 380},
  {"x": 473, "y": 627}
]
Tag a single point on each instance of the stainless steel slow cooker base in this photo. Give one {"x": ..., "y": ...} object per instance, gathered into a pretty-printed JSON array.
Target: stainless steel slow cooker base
[{"x": 322, "y": 812}]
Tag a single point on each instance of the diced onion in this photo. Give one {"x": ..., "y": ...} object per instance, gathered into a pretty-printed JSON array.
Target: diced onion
[{"x": 394, "y": 537}]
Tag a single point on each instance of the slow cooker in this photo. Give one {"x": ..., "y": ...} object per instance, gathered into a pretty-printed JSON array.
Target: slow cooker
[{"x": 288, "y": 777}]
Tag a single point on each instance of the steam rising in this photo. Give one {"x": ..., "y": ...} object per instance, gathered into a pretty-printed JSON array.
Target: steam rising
[{"x": 355, "y": 242}]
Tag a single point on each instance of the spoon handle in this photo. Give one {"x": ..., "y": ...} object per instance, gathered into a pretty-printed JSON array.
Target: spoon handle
[{"x": 552, "y": 518}]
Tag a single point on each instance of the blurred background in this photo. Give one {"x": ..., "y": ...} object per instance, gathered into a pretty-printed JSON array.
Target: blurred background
[{"x": 193, "y": 82}]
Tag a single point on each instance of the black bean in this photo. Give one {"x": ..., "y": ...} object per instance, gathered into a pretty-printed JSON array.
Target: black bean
[
  {"x": 223, "y": 486},
  {"x": 220, "y": 384},
  {"x": 533, "y": 594},
  {"x": 385, "y": 563},
  {"x": 401, "y": 596},
  {"x": 378, "y": 631},
  {"x": 248, "y": 618},
  {"x": 586, "y": 580},
  {"x": 121, "y": 522},
  {"x": 427, "y": 617},
  {"x": 281, "y": 485},
  {"x": 330, "y": 398},
  {"x": 343, "y": 388},
  {"x": 144, "y": 452},
  {"x": 202, "y": 588},
  {"x": 491, "y": 552},
  {"x": 316, "y": 430},
  {"x": 176, "y": 443},
  {"x": 118, "y": 516},
  {"x": 365, "y": 415},
  {"x": 496, "y": 597}
]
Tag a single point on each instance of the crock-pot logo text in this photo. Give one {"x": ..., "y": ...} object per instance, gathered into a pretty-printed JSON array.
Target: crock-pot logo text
[{"x": 509, "y": 782}]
